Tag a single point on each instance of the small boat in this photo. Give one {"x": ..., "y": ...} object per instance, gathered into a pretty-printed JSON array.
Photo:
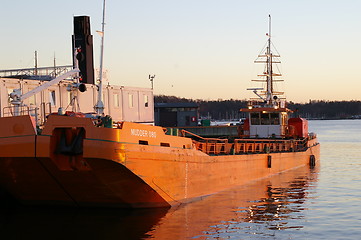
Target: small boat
[{"x": 90, "y": 160}]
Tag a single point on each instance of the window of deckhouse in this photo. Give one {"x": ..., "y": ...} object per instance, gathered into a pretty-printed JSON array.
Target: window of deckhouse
[
  {"x": 146, "y": 101},
  {"x": 130, "y": 99},
  {"x": 116, "y": 100},
  {"x": 10, "y": 90},
  {"x": 255, "y": 119},
  {"x": 265, "y": 119},
  {"x": 52, "y": 99},
  {"x": 275, "y": 118}
]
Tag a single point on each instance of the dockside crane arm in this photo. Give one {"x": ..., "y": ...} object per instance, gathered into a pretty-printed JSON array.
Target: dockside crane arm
[{"x": 17, "y": 97}]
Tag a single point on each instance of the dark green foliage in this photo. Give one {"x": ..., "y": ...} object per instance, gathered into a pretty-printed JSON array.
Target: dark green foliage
[
  {"x": 314, "y": 109},
  {"x": 214, "y": 109},
  {"x": 321, "y": 109}
]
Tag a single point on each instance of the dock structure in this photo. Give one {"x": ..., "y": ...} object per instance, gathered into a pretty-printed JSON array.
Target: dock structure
[{"x": 36, "y": 72}]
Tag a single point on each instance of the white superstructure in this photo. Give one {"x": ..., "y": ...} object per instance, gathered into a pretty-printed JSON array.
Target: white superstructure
[{"x": 122, "y": 103}]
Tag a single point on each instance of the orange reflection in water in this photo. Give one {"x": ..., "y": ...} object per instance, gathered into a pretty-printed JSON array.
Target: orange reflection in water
[{"x": 274, "y": 202}]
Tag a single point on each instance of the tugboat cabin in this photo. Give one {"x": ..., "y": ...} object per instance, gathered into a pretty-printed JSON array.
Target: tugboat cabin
[{"x": 266, "y": 122}]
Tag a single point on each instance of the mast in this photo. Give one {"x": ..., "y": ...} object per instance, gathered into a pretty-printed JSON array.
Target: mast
[
  {"x": 270, "y": 96},
  {"x": 99, "y": 107}
]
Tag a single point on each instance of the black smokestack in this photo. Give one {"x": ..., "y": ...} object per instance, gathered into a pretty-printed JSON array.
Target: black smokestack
[{"x": 84, "y": 40}]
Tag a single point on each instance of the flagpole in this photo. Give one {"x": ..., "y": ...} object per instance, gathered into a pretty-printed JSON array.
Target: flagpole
[{"x": 99, "y": 107}]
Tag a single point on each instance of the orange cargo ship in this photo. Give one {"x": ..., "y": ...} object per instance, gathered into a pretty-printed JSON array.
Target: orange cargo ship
[{"x": 83, "y": 160}]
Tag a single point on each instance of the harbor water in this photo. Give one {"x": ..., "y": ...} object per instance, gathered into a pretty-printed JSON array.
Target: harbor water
[{"x": 319, "y": 203}]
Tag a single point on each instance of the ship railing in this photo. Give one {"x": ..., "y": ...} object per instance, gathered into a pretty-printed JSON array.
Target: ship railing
[
  {"x": 214, "y": 146},
  {"x": 45, "y": 110},
  {"x": 312, "y": 135},
  {"x": 38, "y": 113},
  {"x": 258, "y": 103},
  {"x": 243, "y": 146},
  {"x": 11, "y": 111},
  {"x": 312, "y": 140}
]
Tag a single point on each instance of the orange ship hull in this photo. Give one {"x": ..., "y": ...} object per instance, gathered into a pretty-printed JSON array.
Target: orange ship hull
[{"x": 74, "y": 163}]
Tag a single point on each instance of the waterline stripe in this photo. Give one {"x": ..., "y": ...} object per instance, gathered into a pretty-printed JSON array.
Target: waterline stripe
[
  {"x": 19, "y": 136},
  {"x": 103, "y": 140},
  {"x": 112, "y": 141}
]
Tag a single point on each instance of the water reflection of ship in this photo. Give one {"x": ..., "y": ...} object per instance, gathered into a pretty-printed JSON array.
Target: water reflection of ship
[
  {"x": 64, "y": 223},
  {"x": 279, "y": 203},
  {"x": 273, "y": 202}
]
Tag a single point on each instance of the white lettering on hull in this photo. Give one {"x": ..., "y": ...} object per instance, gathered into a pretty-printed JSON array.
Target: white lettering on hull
[{"x": 143, "y": 133}]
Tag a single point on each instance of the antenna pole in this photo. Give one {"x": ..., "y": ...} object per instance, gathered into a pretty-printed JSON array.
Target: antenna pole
[
  {"x": 36, "y": 63},
  {"x": 151, "y": 78},
  {"x": 54, "y": 66},
  {"x": 269, "y": 64},
  {"x": 269, "y": 26},
  {"x": 99, "y": 107}
]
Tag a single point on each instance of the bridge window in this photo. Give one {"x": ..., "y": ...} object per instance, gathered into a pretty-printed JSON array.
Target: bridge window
[
  {"x": 265, "y": 118},
  {"x": 275, "y": 118},
  {"x": 255, "y": 119}
]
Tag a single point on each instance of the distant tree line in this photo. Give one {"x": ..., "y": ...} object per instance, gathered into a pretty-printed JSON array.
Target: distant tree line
[
  {"x": 321, "y": 109},
  {"x": 229, "y": 109}
]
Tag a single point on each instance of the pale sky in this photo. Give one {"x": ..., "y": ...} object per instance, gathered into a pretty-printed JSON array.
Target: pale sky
[{"x": 200, "y": 49}]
